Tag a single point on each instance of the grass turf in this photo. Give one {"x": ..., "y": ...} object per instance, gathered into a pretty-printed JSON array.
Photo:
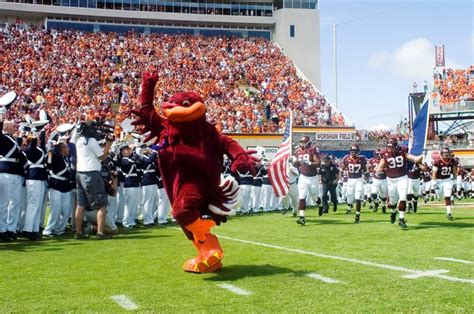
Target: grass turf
[{"x": 64, "y": 275}]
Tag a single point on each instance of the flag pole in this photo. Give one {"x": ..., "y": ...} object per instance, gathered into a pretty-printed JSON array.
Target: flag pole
[{"x": 425, "y": 151}]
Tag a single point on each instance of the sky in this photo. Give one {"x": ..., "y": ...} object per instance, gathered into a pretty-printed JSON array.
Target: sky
[{"x": 383, "y": 46}]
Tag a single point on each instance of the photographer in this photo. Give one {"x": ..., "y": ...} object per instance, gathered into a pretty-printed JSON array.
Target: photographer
[{"x": 90, "y": 186}]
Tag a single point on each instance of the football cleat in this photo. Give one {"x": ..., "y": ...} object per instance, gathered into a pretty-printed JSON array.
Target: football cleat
[
  {"x": 294, "y": 213},
  {"x": 301, "y": 221},
  {"x": 402, "y": 223},
  {"x": 384, "y": 210},
  {"x": 393, "y": 217},
  {"x": 450, "y": 217},
  {"x": 357, "y": 219},
  {"x": 320, "y": 210}
]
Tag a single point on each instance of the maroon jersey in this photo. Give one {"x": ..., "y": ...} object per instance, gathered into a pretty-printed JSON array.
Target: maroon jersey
[
  {"x": 345, "y": 176},
  {"x": 396, "y": 163},
  {"x": 373, "y": 163},
  {"x": 307, "y": 155},
  {"x": 444, "y": 167},
  {"x": 355, "y": 166},
  {"x": 414, "y": 172},
  {"x": 427, "y": 174}
]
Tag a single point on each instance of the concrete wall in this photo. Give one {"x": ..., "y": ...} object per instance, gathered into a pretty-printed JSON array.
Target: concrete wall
[{"x": 304, "y": 48}]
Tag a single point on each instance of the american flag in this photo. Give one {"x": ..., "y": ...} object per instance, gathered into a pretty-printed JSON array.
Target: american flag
[{"x": 277, "y": 171}]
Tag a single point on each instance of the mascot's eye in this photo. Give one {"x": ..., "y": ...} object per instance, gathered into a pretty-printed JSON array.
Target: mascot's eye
[{"x": 186, "y": 103}]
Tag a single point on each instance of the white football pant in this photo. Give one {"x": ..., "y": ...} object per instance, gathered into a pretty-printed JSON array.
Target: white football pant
[
  {"x": 397, "y": 189},
  {"x": 354, "y": 190}
]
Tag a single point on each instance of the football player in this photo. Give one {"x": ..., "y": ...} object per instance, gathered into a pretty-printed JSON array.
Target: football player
[
  {"x": 379, "y": 182},
  {"x": 307, "y": 162},
  {"x": 426, "y": 186},
  {"x": 344, "y": 177},
  {"x": 414, "y": 175},
  {"x": 291, "y": 199},
  {"x": 356, "y": 166},
  {"x": 460, "y": 187},
  {"x": 394, "y": 161},
  {"x": 443, "y": 168},
  {"x": 471, "y": 181}
]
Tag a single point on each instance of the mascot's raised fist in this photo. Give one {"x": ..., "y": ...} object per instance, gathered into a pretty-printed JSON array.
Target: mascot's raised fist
[{"x": 148, "y": 87}]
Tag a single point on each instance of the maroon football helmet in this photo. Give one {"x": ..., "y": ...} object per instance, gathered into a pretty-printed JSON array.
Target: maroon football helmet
[
  {"x": 446, "y": 153},
  {"x": 305, "y": 142},
  {"x": 377, "y": 154},
  {"x": 392, "y": 145},
  {"x": 354, "y": 150}
]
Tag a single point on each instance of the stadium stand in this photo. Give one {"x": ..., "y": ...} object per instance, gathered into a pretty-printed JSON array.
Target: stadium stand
[
  {"x": 71, "y": 73},
  {"x": 452, "y": 86}
]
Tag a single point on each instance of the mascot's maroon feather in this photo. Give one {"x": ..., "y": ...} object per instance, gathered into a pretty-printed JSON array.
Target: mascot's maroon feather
[{"x": 190, "y": 159}]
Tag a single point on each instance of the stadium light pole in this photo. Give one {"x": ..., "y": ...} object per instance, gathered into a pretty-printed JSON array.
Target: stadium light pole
[{"x": 335, "y": 64}]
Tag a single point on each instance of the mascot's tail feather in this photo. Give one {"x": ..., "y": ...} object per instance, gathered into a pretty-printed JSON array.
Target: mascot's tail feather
[{"x": 230, "y": 190}]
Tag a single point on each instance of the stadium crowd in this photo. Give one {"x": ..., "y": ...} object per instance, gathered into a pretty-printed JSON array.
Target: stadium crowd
[
  {"x": 71, "y": 74},
  {"x": 453, "y": 85}
]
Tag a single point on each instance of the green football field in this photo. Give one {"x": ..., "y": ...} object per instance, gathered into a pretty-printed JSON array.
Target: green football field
[{"x": 271, "y": 265}]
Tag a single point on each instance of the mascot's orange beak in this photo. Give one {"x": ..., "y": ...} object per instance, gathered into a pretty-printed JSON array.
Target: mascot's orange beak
[{"x": 180, "y": 113}]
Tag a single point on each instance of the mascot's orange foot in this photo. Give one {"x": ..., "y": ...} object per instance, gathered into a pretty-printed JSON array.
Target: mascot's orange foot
[
  {"x": 195, "y": 266},
  {"x": 209, "y": 257}
]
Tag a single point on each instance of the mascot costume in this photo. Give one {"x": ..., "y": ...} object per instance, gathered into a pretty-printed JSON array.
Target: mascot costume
[{"x": 190, "y": 158}]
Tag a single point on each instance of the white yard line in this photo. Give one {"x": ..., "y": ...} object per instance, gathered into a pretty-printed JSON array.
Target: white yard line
[
  {"x": 234, "y": 289},
  {"x": 455, "y": 206},
  {"x": 450, "y": 259},
  {"x": 355, "y": 261},
  {"x": 124, "y": 302},
  {"x": 322, "y": 278},
  {"x": 426, "y": 273}
]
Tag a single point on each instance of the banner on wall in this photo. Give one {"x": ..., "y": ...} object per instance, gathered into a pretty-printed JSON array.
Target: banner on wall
[
  {"x": 268, "y": 151},
  {"x": 335, "y": 136},
  {"x": 439, "y": 53}
]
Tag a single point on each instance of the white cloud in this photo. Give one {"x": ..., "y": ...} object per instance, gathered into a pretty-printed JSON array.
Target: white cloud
[{"x": 413, "y": 60}]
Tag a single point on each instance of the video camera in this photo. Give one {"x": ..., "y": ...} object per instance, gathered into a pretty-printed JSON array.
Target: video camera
[{"x": 94, "y": 129}]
